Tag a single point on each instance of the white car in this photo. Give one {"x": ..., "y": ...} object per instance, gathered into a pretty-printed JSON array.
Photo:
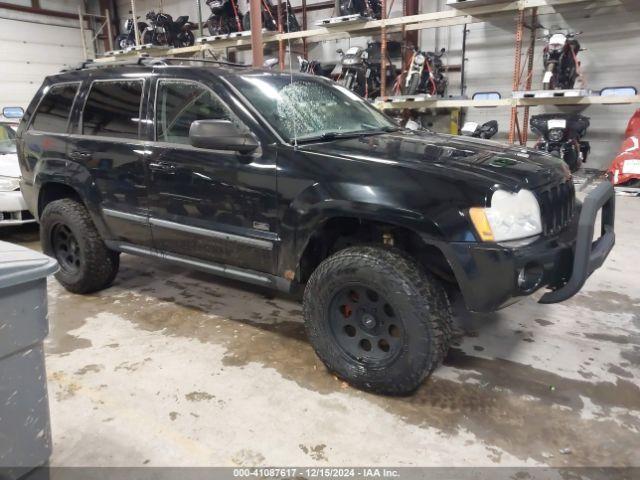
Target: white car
[{"x": 13, "y": 209}]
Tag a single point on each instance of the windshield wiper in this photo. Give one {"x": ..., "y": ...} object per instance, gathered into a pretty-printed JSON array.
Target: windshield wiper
[{"x": 354, "y": 134}]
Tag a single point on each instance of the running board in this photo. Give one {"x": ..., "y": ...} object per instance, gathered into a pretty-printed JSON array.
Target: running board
[{"x": 227, "y": 271}]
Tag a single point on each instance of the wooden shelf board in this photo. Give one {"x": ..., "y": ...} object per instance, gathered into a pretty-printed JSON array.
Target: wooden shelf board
[{"x": 509, "y": 102}]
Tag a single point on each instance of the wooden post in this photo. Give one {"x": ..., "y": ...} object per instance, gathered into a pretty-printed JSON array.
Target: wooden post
[
  {"x": 256, "y": 33},
  {"x": 82, "y": 36},
  {"x": 304, "y": 28},
  {"x": 135, "y": 21},
  {"x": 516, "y": 74},
  {"x": 383, "y": 51},
  {"x": 529, "y": 79},
  {"x": 107, "y": 17},
  {"x": 280, "y": 41}
]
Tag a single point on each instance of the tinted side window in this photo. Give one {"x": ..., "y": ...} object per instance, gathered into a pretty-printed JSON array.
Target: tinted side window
[
  {"x": 179, "y": 104},
  {"x": 52, "y": 114},
  {"x": 112, "y": 109}
]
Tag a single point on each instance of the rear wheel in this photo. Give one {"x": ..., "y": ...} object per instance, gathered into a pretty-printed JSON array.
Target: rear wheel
[
  {"x": 68, "y": 234},
  {"x": 377, "y": 319}
]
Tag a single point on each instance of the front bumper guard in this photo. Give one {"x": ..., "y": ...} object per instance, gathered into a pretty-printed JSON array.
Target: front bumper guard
[{"x": 588, "y": 255}]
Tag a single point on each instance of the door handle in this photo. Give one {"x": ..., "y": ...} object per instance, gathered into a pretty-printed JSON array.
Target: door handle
[
  {"x": 162, "y": 166},
  {"x": 80, "y": 155}
]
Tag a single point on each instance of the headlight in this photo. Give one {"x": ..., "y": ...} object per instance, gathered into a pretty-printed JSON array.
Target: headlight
[
  {"x": 9, "y": 184},
  {"x": 556, "y": 134},
  {"x": 419, "y": 59},
  {"x": 511, "y": 216}
]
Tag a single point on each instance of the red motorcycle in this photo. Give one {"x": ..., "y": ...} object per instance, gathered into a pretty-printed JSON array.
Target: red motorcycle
[{"x": 625, "y": 169}]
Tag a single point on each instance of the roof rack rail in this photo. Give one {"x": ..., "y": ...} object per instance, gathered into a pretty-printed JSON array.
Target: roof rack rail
[
  {"x": 206, "y": 60},
  {"x": 143, "y": 59}
]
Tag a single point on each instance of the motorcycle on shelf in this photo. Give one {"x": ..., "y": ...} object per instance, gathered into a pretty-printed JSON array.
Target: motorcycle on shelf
[
  {"x": 561, "y": 135},
  {"x": 365, "y": 8},
  {"x": 486, "y": 130},
  {"x": 269, "y": 14},
  {"x": 560, "y": 59},
  {"x": 163, "y": 30},
  {"x": 225, "y": 17},
  {"x": 425, "y": 74},
  {"x": 128, "y": 37},
  {"x": 362, "y": 69},
  {"x": 314, "y": 67}
]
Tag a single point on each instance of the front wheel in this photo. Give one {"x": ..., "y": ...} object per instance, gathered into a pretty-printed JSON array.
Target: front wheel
[
  {"x": 186, "y": 39},
  {"x": 68, "y": 234},
  {"x": 122, "y": 41},
  {"x": 377, "y": 319},
  {"x": 412, "y": 87}
]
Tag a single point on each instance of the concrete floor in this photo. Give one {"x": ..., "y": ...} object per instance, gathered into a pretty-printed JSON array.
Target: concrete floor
[{"x": 175, "y": 367}]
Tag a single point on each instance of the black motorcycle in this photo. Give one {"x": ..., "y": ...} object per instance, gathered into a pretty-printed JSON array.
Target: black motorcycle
[
  {"x": 314, "y": 67},
  {"x": 269, "y": 14},
  {"x": 362, "y": 70},
  {"x": 486, "y": 130},
  {"x": 560, "y": 59},
  {"x": 128, "y": 38},
  {"x": 561, "y": 135},
  {"x": 425, "y": 74},
  {"x": 163, "y": 30},
  {"x": 225, "y": 17},
  {"x": 365, "y": 8}
]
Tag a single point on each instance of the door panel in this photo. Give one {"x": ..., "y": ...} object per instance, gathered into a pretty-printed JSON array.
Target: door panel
[
  {"x": 213, "y": 205},
  {"x": 111, "y": 150}
]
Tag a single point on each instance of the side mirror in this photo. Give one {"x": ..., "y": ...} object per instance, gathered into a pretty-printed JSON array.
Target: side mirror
[
  {"x": 221, "y": 135},
  {"x": 339, "y": 51},
  {"x": 12, "y": 112}
]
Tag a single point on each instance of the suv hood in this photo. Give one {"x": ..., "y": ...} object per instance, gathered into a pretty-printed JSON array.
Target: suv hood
[
  {"x": 9, "y": 165},
  {"x": 448, "y": 155}
]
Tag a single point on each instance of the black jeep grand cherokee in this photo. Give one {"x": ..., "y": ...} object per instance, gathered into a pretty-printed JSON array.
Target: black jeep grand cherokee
[{"x": 291, "y": 181}]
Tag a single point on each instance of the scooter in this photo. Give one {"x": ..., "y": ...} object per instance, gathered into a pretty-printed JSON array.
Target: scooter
[
  {"x": 561, "y": 135},
  {"x": 425, "y": 74},
  {"x": 162, "y": 30},
  {"x": 560, "y": 59},
  {"x": 269, "y": 17},
  {"x": 485, "y": 131},
  {"x": 365, "y": 8},
  {"x": 128, "y": 38},
  {"x": 225, "y": 17}
]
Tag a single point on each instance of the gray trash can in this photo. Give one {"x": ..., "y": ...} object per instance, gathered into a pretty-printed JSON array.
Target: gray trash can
[{"x": 25, "y": 433}]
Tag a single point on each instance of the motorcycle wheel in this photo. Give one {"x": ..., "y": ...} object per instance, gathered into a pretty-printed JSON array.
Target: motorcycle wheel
[
  {"x": 186, "y": 39},
  {"x": 550, "y": 85},
  {"x": 122, "y": 41},
  {"x": 348, "y": 81},
  {"x": 412, "y": 88},
  {"x": 147, "y": 37}
]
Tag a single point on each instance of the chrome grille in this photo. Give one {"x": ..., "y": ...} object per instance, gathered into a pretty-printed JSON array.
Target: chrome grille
[{"x": 556, "y": 206}]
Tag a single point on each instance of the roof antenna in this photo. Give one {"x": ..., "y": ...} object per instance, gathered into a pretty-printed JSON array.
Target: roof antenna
[{"x": 295, "y": 136}]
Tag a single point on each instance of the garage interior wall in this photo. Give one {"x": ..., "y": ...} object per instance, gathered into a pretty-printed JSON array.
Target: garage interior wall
[{"x": 33, "y": 45}]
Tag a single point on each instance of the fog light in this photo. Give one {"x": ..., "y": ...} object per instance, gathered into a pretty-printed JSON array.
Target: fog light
[{"x": 530, "y": 277}]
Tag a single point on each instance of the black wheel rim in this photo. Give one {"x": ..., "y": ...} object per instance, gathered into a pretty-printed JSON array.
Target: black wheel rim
[
  {"x": 66, "y": 248},
  {"x": 365, "y": 325}
]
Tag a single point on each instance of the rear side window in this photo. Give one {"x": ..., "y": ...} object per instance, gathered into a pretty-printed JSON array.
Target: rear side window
[
  {"x": 52, "y": 114},
  {"x": 112, "y": 109}
]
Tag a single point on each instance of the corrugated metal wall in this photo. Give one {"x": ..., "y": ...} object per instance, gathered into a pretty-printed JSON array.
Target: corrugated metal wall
[{"x": 33, "y": 46}]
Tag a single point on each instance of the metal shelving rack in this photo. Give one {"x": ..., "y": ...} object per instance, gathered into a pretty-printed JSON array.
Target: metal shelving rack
[{"x": 460, "y": 13}]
